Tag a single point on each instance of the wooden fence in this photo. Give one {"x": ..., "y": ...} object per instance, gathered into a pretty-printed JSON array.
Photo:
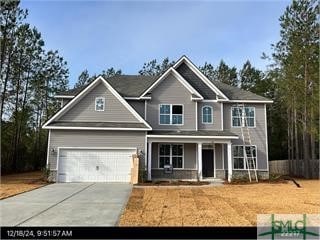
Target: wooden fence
[{"x": 282, "y": 167}]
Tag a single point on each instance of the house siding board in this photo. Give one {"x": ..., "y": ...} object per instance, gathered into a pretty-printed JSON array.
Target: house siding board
[
  {"x": 195, "y": 82},
  {"x": 138, "y": 106},
  {"x": 218, "y": 155},
  {"x": 92, "y": 139},
  {"x": 171, "y": 91},
  {"x": 257, "y": 134},
  {"x": 84, "y": 110},
  {"x": 216, "y": 125},
  {"x": 189, "y": 155}
]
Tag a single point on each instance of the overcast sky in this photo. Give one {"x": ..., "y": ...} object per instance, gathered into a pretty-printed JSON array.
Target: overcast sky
[{"x": 96, "y": 35}]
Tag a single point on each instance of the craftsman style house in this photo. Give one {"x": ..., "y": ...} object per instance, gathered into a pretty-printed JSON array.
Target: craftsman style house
[{"x": 181, "y": 125}]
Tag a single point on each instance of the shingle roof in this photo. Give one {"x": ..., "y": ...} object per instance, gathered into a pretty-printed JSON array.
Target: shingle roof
[
  {"x": 194, "y": 133},
  {"x": 125, "y": 85},
  {"x": 235, "y": 93},
  {"x": 135, "y": 85},
  {"x": 98, "y": 124}
]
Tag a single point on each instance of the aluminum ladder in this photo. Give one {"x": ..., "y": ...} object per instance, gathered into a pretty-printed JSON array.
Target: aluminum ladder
[{"x": 250, "y": 162}]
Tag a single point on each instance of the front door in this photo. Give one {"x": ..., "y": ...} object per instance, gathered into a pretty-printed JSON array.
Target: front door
[{"x": 207, "y": 162}]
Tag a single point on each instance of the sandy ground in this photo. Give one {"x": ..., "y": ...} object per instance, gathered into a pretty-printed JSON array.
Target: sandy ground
[
  {"x": 227, "y": 205},
  {"x": 17, "y": 183}
]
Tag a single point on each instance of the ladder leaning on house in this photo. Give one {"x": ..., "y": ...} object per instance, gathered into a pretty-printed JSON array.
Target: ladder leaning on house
[{"x": 251, "y": 160}]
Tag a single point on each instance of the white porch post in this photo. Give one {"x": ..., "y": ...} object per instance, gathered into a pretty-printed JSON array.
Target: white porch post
[
  {"x": 229, "y": 162},
  {"x": 149, "y": 160},
  {"x": 200, "y": 161}
]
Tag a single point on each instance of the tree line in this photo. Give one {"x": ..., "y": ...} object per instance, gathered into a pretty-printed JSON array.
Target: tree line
[{"x": 32, "y": 76}]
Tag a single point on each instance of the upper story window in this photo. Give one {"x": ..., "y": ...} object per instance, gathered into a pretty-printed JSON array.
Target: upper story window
[
  {"x": 243, "y": 116},
  {"x": 207, "y": 113},
  {"x": 99, "y": 104},
  {"x": 239, "y": 157},
  {"x": 171, "y": 114}
]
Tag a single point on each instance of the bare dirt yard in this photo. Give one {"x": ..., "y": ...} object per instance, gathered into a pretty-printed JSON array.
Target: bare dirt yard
[
  {"x": 13, "y": 184},
  {"x": 227, "y": 205}
]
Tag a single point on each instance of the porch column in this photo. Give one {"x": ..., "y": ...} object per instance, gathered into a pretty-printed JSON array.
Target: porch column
[
  {"x": 149, "y": 160},
  {"x": 200, "y": 161},
  {"x": 229, "y": 156}
]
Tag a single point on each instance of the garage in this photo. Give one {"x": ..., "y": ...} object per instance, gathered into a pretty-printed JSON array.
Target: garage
[{"x": 95, "y": 165}]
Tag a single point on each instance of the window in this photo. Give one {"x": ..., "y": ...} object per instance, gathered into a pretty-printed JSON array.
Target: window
[
  {"x": 171, "y": 154},
  {"x": 207, "y": 114},
  {"x": 243, "y": 116},
  {"x": 238, "y": 157},
  {"x": 171, "y": 114},
  {"x": 99, "y": 106}
]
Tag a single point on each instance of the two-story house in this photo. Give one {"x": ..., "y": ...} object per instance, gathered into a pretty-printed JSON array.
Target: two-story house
[{"x": 180, "y": 124}]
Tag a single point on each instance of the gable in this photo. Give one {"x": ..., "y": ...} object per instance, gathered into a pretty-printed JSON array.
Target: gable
[
  {"x": 195, "y": 81},
  {"x": 82, "y": 108}
]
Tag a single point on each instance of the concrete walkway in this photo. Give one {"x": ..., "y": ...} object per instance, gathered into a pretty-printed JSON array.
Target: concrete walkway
[{"x": 67, "y": 204}]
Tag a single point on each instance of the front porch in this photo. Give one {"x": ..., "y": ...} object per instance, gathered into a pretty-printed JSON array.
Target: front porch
[{"x": 198, "y": 155}]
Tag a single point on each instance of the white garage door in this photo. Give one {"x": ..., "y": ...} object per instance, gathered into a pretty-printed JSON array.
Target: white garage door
[{"x": 95, "y": 165}]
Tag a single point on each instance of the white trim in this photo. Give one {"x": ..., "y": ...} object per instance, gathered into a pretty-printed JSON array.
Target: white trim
[
  {"x": 145, "y": 110},
  {"x": 170, "y": 114},
  {"x": 95, "y": 103},
  {"x": 91, "y": 86},
  {"x": 250, "y": 101},
  {"x": 188, "y": 136},
  {"x": 63, "y": 96},
  {"x": 200, "y": 75},
  {"x": 214, "y": 161},
  {"x": 207, "y": 100},
  {"x": 149, "y": 160},
  {"x": 207, "y": 123},
  {"x": 222, "y": 147},
  {"x": 48, "y": 149},
  {"x": 170, "y": 156},
  {"x": 178, "y": 77},
  {"x": 230, "y": 167},
  {"x": 242, "y": 118},
  {"x": 137, "y": 98},
  {"x": 196, "y": 120},
  {"x": 266, "y": 132},
  {"x": 244, "y": 163},
  {"x": 145, "y": 152},
  {"x": 199, "y": 147},
  {"x": 221, "y": 113},
  {"x": 95, "y": 128}
]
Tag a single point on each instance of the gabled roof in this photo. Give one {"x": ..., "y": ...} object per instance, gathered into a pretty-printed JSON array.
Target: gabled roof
[
  {"x": 89, "y": 87},
  {"x": 171, "y": 70},
  {"x": 135, "y": 86},
  {"x": 193, "y": 67}
]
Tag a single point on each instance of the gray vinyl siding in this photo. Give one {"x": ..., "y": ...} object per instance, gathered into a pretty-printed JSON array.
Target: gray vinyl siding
[
  {"x": 171, "y": 91},
  {"x": 189, "y": 155},
  {"x": 258, "y": 134},
  {"x": 138, "y": 105},
  {"x": 84, "y": 110},
  {"x": 218, "y": 155},
  {"x": 84, "y": 138},
  {"x": 216, "y": 125}
]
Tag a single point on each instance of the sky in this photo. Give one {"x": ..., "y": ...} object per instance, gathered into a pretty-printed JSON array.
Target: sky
[{"x": 96, "y": 35}]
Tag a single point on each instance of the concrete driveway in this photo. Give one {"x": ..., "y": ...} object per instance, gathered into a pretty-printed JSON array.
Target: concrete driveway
[{"x": 67, "y": 204}]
